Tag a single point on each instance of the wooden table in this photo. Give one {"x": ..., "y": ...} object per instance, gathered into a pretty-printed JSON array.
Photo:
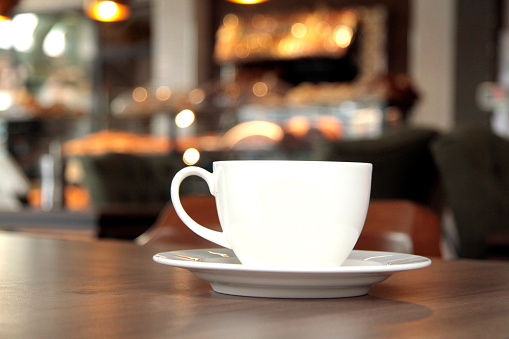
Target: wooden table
[
  {"x": 51, "y": 288},
  {"x": 114, "y": 222}
]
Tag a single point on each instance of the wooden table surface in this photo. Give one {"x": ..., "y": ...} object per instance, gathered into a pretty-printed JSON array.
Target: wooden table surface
[{"x": 51, "y": 288}]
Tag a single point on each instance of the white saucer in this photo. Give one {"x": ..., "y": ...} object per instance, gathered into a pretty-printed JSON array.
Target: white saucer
[{"x": 227, "y": 275}]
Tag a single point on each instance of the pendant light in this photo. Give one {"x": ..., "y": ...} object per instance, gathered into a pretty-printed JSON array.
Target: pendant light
[
  {"x": 247, "y": 2},
  {"x": 107, "y": 10}
]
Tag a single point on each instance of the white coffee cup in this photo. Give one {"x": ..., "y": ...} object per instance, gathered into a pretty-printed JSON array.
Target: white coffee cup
[{"x": 285, "y": 214}]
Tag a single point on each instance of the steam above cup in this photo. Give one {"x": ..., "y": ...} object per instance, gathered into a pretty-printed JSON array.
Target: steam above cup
[{"x": 284, "y": 214}]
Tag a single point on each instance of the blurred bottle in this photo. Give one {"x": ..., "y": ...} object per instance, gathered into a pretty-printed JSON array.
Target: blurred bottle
[{"x": 52, "y": 178}]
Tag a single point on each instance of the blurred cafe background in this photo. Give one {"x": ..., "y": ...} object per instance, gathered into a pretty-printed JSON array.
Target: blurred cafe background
[{"x": 101, "y": 105}]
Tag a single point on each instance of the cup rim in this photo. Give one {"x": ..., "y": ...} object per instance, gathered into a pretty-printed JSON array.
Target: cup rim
[{"x": 307, "y": 162}]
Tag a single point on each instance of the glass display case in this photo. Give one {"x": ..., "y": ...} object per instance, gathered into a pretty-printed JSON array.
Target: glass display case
[{"x": 285, "y": 82}]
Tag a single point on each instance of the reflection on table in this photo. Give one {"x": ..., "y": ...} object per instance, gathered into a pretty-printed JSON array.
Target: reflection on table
[{"x": 61, "y": 288}]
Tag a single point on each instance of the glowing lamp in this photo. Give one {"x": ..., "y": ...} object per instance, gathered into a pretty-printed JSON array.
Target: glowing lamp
[
  {"x": 107, "y": 11},
  {"x": 247, "y": 2}
]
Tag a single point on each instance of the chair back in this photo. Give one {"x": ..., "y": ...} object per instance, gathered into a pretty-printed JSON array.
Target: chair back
[
  {"x": 401, "y": 226},
  {"x": 117, "y": 179},
  {"x": 473, "y": 164},
  {"x": 391, "y": 225},
  {"x": 403, "y": 167},
  {"x": 168, "y": 227}
]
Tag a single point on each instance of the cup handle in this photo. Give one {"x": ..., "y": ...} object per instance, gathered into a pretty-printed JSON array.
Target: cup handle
[{"x": 211, "y": 235}]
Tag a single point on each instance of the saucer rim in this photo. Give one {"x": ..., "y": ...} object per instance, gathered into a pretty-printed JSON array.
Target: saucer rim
[{"x": 416, "y": 262}]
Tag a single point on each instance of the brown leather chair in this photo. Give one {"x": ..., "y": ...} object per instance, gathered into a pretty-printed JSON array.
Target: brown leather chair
[
  {"x": 391, "y": 225},
  {"x": 168, "y": 227},
  {"x": 401, "y": 226}
]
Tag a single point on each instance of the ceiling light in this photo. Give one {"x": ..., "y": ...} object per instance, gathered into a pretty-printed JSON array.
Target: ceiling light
[
  {"x": 107, "y": 11},
  {"x": 247, "y": 2}
]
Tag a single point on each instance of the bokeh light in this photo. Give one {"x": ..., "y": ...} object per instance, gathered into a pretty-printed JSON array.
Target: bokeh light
[
  {"x": 191, "y": 156},
  {"x": 298, "y": 126},
  {"x": 230, "y": 20},
  {"x": 140, "y": 94},
  {"x": 163, "y": 93},
  {"x": 196, "y": 96},
  {"x": 108, "y": 11},
  {"x": 249, "y": 129},
  {"x": 299, "y": 30},
  {"x": 185, "y": 118},
  {"x": 54, "y": 44},
  {"x": 18, "y": 33},
  {"x": 343, "y": 36},
  {"x": 260, "y": 89},
  {"x": 6, "y": 100}
]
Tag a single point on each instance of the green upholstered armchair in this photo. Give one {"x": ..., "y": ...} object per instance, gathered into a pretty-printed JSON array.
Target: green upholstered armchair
[
  {"x": 128, "y": 191},
  {"x": 474, "y": 166},
  {"x": 129, "y": 180}
]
